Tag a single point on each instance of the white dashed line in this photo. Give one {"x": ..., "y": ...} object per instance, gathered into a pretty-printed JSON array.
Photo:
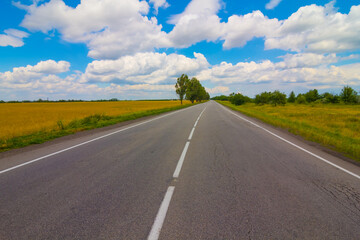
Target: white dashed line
[{"x": 160, "y": 217}]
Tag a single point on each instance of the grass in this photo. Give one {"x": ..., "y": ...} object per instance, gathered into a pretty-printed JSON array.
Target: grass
[
  {"x": 336, "y": 126},
  {"x": 22, "y": 124}
]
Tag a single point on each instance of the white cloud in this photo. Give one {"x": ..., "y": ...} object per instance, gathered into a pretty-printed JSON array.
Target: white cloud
[
  {"x": 272, "y": 4},
  {"x": 149, "y": 68},
  {"x": 114, "y": 88},
  {"x": 119, "y": 28},
  {"x": 110, "y": 28},
  {"x": 241, "y": 29},
  {"x": 304, "y": 71},
  {"x": 159, "y": 4},
  {"x": 198, "y": 22},
  {"x": 152, "y": 75},
  {"x": 318, "y": 29},
  {"x": 301, "y": 60},
  {"x": 13, "y": 37},
  {"x": 29, "y": 73},
  {"x": 218, "y": 90},
  {"x": 313, "y": 28}
]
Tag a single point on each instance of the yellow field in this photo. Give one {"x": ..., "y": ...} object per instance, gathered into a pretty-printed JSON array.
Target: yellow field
[
  {"x": 18, "y": 119},
  {"x": 334, "y": 125}
]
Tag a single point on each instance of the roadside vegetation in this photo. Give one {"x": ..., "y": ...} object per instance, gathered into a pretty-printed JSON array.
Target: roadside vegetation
[
  {"x": 190, "y": 89},
  {"x": 31, "y": 122},
  {"x": 329, "y": 119},
  {"x": 22, "y": 124}
]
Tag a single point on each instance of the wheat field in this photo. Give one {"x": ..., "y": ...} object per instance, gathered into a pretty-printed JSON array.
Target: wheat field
[{"x": 19, "y": 119}]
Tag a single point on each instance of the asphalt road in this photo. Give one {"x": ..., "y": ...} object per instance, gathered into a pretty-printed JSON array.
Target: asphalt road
[{"x": 234, "y": 180}]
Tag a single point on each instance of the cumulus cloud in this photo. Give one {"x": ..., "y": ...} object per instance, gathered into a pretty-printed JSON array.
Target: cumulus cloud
[
  {"x": 313, "y": 28},
  {"x": 114, "y": 88},
  {"x": 116, "y": 27},
  {"x": 13, "y": 37},
  {"x": 272, "y": 4},
  {"x": 318, "y": 29},
  {"x": 301, "y": 60},
  {"x": 42, "y": 81},
  {"x": 119, "y": 28},
  {"x": 141, "y": 68},
  {"x": 306, "y": 70},
  {"x": 218, "y": 90},
  {"x": 198, "y": 22},
  {"x": 29, "y": 73},
  {"x": 241, "y": 29},
  {"x": 39, "y": 80},
  {"x": 159, "y": 4}
]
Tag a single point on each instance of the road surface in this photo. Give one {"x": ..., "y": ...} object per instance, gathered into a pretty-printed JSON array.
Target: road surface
[{"x": 204, "y": 172}]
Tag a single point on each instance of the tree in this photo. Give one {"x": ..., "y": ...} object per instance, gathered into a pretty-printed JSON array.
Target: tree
[
  {"x": 330, "y": 98},
  {"x": 238, "y": 99},
  {"x": 278, "y": 98},
  {"x": 181, "y": 86},
  {"x": 201, "y": 94},
  {"x": 192, "y": 89},
  {"x": 348, "y": 95},
  {"x": 312, "y": 95},
  {"x": 221, "y": 98},
  {"x": 292, "y": 97},
  {"x": 262, "y": 98},
  {"x": 300, "y": 99}
]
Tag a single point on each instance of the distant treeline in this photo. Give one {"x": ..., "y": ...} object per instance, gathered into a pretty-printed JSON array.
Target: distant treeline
[
  {"x": 348, "y": 96},
  {"x": 79, "y": 100}
]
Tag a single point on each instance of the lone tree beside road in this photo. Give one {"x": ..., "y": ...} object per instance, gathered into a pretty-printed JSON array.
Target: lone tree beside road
[
  {"x": 192, "y": 89},
  {"x": 181, "y": 86}
]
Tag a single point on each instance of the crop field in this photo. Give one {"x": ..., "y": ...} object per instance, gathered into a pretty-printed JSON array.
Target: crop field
[
  {"x": 333, "y": 125},
  {"x": 36, "y": 120}
]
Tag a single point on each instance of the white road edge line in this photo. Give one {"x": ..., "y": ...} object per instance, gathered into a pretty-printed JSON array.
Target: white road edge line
[
  {"x": 181, "y": 161},
  {"x": 83, "y": 143},
  {"x": 293, "y": 144},
  {"x": 160, "y": 217}
]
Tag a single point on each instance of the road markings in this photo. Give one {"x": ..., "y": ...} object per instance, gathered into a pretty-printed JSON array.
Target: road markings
[
  {"x": 183, "y": 154},
  {"x": 83, "y": 143},
  {"x": 181, "y": 160},
  {"x": 160, "y": 217},
  {"x": 293, "y": 144},
  {"x": 191, "y": 134}
]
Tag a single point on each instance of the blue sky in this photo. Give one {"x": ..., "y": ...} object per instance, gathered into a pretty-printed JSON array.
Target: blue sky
[{"x": 131, "y": 49}]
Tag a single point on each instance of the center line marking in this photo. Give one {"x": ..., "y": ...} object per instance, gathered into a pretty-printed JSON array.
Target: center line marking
[
  {"x": 160, "y": 217},
  {"x": 191, "y": 134},
  {"x": 181, "y": 161}
]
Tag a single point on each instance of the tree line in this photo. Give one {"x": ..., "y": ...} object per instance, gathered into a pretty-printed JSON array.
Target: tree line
[
  {"x": 347, "y": 95},
  {"x": 191, "y": 89}
]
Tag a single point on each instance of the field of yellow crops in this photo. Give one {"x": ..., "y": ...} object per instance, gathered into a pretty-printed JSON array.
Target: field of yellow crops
[
  {"x": 18, "y": 119},
  {"x": 333, "y": 125}
]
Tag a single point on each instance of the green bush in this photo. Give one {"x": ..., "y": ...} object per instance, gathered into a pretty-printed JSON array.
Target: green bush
[
  {"x": 263, "y": 98},
  {"x": 277, "y": 98},
  {"x": 238, "y": 99},
  {"x": 301, "y": 99}
]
